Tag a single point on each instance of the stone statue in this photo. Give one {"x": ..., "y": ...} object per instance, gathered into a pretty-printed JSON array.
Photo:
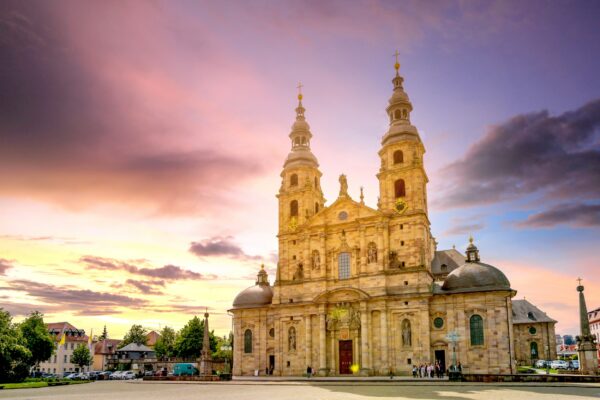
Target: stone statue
[
  {"x": 292, "y": 339},
  {"x": 372, "y": 253},
  {"x": 299, "y": 274},
  {"x": 343, "y": 185},
  {"x": 316, "y": 260},
  {"x": 406, "y": 333}
]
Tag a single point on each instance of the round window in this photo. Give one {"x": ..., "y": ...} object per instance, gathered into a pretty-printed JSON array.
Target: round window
[
  {"x": 272, "y": 332},
  {"x": 532, "y": 330},
  {"x": 342, "y": 216},
  {"x": 438, "y": 322}
]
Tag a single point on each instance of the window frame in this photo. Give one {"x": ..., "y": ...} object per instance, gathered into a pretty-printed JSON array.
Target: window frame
[
  {"x": 344, "y": 268},
  {"x": 248, "y": 341},
  {"x": 476, "y": 330}
]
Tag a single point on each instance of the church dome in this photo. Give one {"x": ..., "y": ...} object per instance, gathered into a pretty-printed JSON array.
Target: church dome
[
  {"x": 258, "y": 295},
  {"x": 301, "y": 156},
  {"x": 254, "y": 296},
  {"x": 475, "y": 276}
]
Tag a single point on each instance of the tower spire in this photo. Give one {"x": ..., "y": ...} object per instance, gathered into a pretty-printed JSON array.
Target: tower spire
[{"x": 300, "y": 136}]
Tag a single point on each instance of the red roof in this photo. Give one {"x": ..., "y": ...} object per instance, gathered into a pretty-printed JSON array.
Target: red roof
[
  {"x": 106, "y": 346},
  {"x": 58, "y": 329}
]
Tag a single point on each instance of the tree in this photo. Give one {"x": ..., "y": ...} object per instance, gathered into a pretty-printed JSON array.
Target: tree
[
  {"x": 165, "y": 345},
  {"x": 37, "y": 338},
  {"x": 15, "y": 357},
  {"x": 104, "y": 335},
  {"x": 137, "y": 334},
  {"x": 224, "y": 349},
  {"x": 81, "y": 356},
  {"x": 190, "y": 338}
]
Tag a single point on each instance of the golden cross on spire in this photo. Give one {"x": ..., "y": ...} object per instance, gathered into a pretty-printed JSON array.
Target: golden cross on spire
[
  {"x": 579, "y": 281},
  {"x": 397, "y": 65},
  {"x": 299, "y": 87}
]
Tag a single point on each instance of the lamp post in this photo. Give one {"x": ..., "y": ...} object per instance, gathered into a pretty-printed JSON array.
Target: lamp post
[{"x": 454, "y": 374}]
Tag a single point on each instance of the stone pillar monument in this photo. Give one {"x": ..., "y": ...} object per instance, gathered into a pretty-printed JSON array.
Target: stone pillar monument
[
  {"x": 586, "y": 343},
  {"x": 205, "y": 354}
]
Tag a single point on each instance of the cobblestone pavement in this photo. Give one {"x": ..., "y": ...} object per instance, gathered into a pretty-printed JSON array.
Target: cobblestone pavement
[{"x": 248, "y": 390}]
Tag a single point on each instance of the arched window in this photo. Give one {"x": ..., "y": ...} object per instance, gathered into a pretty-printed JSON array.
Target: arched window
[
  {"x": 399, "y": 188},
  {"x": 316, "y": 208},
  {"x": 344, "y": 265},
  {"x": 297, "y": 141},
  {"x": 397, "y": 114},
  {"x": 303, "y": 140},
  {"x": 248, "y": 341},
  {"x": 398, "y": 157},
  {"x": 533, "y": 350},
  {"x": 292, "y": 339},
  {"x": 404, "y": 114},
  {"x": 294, "y": 180},
  {"x": 476, "y": 325},
  {"x": 294, "y": 208}
]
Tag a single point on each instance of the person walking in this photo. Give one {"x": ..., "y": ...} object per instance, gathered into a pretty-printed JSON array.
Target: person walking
[
  {"x": 414, "y": 371},
  {"x": 308, "y": 371}
]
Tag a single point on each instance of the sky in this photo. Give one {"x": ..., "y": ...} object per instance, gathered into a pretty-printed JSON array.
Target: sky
[{"x": 141, "y": 143}]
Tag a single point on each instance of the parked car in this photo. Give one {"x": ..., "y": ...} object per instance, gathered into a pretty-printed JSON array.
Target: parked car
[
  {"x": 72, "y": 375},
  {"x": 149, "y": 373},
  {"x": 541, "y": 364},
  {"x": 181, "y": 369},
  {"x": 574, "y": 364},
  {"x": 129, "y": 375},
  {"x": 559, "y": 364},
  {"x": 116, "y": 375}
]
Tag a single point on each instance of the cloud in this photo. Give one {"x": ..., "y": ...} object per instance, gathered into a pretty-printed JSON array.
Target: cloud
[
  {"x": 578, "y": 215},
  {"x": 557, "y": 157},
  {"x": 81, "y": 301},
  {"x": 23, "y": 309},
  {"x": 220, "y": 247},
  {"x": 82, "y": 124},
  {"x": 5, "y": 265},
  {"x": 464, "y": 229},
  {"x": 147, "y": 287},
  {"x": 168, "y": 272}
]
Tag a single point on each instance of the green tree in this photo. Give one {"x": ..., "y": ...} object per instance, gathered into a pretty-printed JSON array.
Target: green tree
[
  {"x": 81, "y": 356},
  {"x": 37, "y": 338},
  {"x": 137, "y": 334},
  {"x": 165, "y": 345},
  {"x": 15, "y": 357},
  {"x": 104, "y": 335},
  {"x": 224, "y": 349},
  {"x": 190, "y": 338}
]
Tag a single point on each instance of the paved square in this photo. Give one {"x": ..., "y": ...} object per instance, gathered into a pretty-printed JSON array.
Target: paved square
[{"x": 303, "y": 391}]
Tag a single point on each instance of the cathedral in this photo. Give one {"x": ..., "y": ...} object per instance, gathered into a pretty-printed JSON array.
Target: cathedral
[{"x": 363, "y": 290}]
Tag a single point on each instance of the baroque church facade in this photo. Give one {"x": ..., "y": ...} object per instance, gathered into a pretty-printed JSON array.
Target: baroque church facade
[{"x": 364, "y": 290}]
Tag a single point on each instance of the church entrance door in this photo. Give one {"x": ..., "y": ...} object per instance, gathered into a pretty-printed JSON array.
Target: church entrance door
[
  {"x": 345, "y": 356},
  {"x": 440, "y": 355}
]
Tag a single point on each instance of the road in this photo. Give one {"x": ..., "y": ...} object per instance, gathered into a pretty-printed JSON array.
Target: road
[{"x": 138, "y": 390}]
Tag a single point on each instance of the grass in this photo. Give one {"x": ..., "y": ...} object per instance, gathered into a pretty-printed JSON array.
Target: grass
[
  {"x": 38, "y": 384},
  {"x": 525, "y": 369}
]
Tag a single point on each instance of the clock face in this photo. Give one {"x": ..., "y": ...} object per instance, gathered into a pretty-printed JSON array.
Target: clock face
[{"x": 400, "y": 206}]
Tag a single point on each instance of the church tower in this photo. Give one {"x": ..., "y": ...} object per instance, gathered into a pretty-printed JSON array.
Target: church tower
[
  {"x": 300, "y": 195},
  {"x": 402, "y": 182}
]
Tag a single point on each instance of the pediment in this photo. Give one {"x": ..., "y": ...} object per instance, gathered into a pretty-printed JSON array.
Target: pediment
[
  {"x": 341, "y": 295},
  {"x": 334, "y": 214}
]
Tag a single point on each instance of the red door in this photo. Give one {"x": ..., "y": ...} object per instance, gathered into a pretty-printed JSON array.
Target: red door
[{"x": 345, "y": 356}]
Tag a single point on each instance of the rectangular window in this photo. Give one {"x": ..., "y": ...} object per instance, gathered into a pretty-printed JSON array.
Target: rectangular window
[
  {"x": 65, "y": 358},
  {"x": 344, "y": 265}
]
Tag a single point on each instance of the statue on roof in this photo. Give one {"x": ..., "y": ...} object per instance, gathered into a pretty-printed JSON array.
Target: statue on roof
[{"x": 343, "y": 185}]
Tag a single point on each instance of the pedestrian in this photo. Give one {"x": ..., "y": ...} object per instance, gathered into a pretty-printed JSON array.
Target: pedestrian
[
  {"x": 308, "y": 371},
  {"x": 423, "y": 371},
  {"x": 414, "y": 371},
  {"x": 459, "y": 367}
]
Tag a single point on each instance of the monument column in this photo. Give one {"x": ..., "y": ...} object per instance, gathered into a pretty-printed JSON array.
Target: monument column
[
  {"x": 586, "y": 342},
  {"x": 322, "y": 341},
  {"x": 364, "y": 339}
]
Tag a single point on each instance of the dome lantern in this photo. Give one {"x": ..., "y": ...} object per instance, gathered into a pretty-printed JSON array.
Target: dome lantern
[{"x": 472, "y": 252}]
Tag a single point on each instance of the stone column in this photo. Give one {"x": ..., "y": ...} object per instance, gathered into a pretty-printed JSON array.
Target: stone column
[
  {"x": 322, "y": 342},
  {"x": 363, "y": 250},
  {"x": 306, "y": 261},
  {"x": 386, "y": 243},
  {"x": 384, "y": 340},
  {"x": 380, "y": 250},
  {"x": 364, "y": 339},
  {"x": 323, "y": 255},
  {"x": 308, "y": 336}
]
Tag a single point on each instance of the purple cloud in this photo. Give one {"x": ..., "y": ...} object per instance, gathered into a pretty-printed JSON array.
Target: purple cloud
[
  {"x": 220, "y": 247},
  {"x": 5, "y": 265},
  {"x": 578, "y": 215}
]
